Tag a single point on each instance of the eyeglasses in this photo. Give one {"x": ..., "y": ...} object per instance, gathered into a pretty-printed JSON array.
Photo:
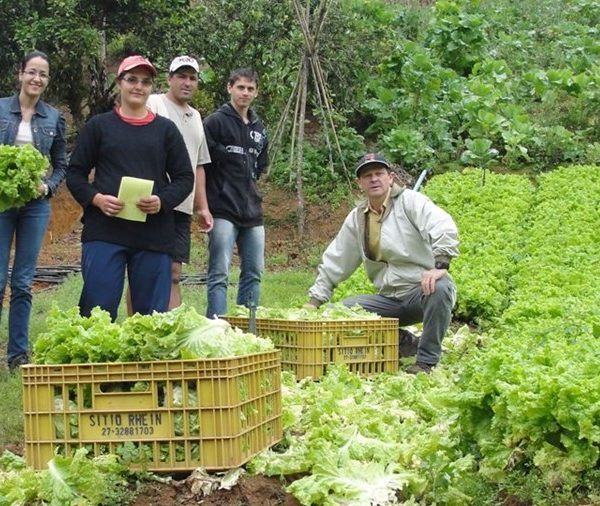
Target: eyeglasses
[
  {"x": 134, "y": 81},
  {"x": 33, "y": 73}
]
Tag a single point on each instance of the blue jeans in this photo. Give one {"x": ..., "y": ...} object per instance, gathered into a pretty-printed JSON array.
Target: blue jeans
[
  {"x": 27, "y": 224},
  {"x": 251, "y": 248},
  {"x": 103, "y": 267}
]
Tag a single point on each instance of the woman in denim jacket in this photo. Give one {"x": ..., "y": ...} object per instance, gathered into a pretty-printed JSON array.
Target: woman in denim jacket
[{"x": 25, "y": 119}]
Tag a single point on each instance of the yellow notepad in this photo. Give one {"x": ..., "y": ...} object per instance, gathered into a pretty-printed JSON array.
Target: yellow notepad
[{"x": 131, "y": 190}]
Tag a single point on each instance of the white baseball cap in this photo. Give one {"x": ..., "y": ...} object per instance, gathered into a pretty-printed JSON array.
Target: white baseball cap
[{"x": 183, "y": 61}]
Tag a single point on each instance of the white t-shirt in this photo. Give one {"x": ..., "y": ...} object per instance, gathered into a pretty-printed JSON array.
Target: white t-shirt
[
  {"x": 24, "y": 134},
  {"x": 189, "y": 124}
]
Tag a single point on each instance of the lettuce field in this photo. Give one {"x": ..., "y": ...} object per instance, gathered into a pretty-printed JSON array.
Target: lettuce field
[{"x": 511, "y": 415}]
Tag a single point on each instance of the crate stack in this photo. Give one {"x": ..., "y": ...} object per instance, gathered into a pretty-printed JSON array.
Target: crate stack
[{"x": 366, "y": 346}]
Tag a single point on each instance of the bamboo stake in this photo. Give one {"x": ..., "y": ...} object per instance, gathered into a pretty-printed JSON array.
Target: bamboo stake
[
  {"x": 300, "y": 150},
  {"x": 322, "y": 108},
  {"x": 301, "y": 117},
  {"x": 320, "y": 82},
  {"x": 300, "y": 94},
  {"x": 278, "y": 133},
  {"x": 295, "y": 122}
]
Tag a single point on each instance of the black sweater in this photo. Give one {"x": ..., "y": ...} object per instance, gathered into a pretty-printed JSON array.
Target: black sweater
[
  {"x": 238, "y": 153},
  {"x": 115, "y": 149}
]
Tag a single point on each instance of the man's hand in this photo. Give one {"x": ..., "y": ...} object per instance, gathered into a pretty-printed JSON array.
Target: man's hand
[
  {"x": 108, "y": 204},
  {"x": 205, "y": 220},
  {"x": 149, "y": 205},
  {"x": 428, "y": 279}
]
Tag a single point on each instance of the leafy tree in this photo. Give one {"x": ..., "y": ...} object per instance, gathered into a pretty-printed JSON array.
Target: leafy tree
[
  {"x": 76, "y": 35},
  {"x": 9, "y": 55},
  {"x": 457, "y": 34},
  {"x": 266, "y": 35}
]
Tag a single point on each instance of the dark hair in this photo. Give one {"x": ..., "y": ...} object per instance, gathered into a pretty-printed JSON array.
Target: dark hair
[
  {"x": 246, "y": 72},
  {"x": 30, "y": 56}
]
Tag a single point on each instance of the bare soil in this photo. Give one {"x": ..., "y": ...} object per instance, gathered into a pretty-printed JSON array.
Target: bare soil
[
  {"x": 62, "y": 247},
  {"x": 249, "y": 491}
]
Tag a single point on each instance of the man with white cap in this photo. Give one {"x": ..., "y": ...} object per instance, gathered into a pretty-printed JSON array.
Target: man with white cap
[
  {"x": 132, "y": 142},
  {"x": 174, "y": 104},
  {"x": 405, "y": 243}
]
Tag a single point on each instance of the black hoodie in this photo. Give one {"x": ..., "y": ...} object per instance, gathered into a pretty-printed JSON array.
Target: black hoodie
[{"x": 238, "y": 153}]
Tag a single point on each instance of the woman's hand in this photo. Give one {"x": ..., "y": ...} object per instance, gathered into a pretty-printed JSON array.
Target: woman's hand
[
  {"x": 149, "y": 205},
  {"x": 108, "y": 204}
]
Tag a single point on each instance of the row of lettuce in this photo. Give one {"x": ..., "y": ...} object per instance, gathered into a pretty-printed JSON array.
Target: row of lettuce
[
  {"x": 513, "y": 414},
  {"x": 531, "y": 400}
]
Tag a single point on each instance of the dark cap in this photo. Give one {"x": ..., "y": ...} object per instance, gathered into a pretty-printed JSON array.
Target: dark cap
[{"x": 372, "y": 159}]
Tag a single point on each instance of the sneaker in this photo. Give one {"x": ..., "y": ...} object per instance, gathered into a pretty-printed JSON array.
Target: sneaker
[
  {"x": 17, "y": 362},
  {"x": 408, "y": 343},
  {"x": 419, "y": 367}
]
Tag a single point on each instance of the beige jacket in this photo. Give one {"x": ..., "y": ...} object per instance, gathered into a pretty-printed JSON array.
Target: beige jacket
[{"x": 414, "y": 234}]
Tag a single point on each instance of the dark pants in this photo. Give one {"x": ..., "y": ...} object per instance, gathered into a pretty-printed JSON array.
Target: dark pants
[
  {"x": 435, "y": 311},
  {"x": 103, "y": 267}
]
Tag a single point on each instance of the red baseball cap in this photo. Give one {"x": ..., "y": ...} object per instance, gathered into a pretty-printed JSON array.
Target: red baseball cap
[{"x": 135, "y": 61}]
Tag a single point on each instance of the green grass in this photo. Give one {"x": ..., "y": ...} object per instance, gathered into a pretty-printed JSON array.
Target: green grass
[
  {"x": 278, "y": 289},
  {"x": 11, "y": 414}
]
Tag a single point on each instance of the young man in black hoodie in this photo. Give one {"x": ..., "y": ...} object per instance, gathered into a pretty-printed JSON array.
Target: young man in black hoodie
[{"x": 237, "y": 142}]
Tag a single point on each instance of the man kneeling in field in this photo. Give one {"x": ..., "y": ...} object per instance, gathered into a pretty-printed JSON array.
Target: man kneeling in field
[{"x": 406, "y": 244}]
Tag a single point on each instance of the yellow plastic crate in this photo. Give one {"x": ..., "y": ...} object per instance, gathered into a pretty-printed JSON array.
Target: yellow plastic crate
[
  {"x": 308, "y": 346},
  {"x": 173, "y": 415}
]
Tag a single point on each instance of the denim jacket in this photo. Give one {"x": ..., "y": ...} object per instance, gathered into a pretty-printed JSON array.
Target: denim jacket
[{"x": 48, "y": 128}]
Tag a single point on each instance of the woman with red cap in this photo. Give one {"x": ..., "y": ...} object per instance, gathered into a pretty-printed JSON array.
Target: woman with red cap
[{"x": 128, "y": 141}]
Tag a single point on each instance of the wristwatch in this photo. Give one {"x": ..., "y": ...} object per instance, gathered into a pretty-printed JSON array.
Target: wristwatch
[
  {"x": 442, "y": 265},
  {"x": 46, "y": 189}
]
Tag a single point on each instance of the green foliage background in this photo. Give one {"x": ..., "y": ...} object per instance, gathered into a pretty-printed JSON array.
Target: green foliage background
[{"x": 456, "y": 82}]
